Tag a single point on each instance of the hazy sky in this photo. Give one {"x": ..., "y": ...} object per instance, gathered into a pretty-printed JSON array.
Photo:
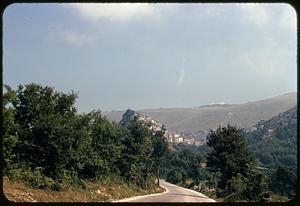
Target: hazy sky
[{"x": 119, "y": 56}]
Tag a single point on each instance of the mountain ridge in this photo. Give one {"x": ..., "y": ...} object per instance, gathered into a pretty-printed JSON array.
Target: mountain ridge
[{"x": 194, "y": 119}]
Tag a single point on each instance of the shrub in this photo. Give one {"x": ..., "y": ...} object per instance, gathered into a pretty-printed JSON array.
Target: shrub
[
  {"x": 174, "y": 177},
  {"x": 70, "y": 178},
  {"x": 236, "y": 184},
  {"x": 34, "y": 178},
  {"x": 235, "y": 189}
]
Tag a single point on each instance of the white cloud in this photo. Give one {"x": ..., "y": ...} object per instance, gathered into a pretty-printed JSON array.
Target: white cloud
[
  {"x": 288, "y": 19},
  {"x": 261, "y": 14},
  {"x": 255, "y": 13},
  {"x": 114, "y": 11},
  {"x": 266, "y": 61},
  {"x": 76, "y": 38},
  {"x": 210, "y": 10},
  {"x": 73, "y": 37}
]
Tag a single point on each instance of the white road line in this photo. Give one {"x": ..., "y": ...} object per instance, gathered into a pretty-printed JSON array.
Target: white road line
[{"x": 133, "y": 198}]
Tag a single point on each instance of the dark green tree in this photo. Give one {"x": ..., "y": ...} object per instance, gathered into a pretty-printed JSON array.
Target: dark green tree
[
  {"x": 196, "y": 169},
  {"x": 257, "y": 185},
  {"x": 230, "y": 154},
  {"x": 44, "y": 127},
  {"x": 160, "y": 149},
  {"x": 106, "y": 145},
  {"x": 284, "y": 182},
  {"x": 137, "y": 162},
  {"x": 174, "y": 176},
  {"x": 9, "y": 132}
]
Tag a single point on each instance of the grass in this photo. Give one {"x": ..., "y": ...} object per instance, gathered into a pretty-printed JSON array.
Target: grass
[{"x": 104, "y": 191}]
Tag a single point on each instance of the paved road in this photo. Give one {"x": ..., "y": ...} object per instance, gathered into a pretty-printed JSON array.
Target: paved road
[{"x": 174, "y": 193}]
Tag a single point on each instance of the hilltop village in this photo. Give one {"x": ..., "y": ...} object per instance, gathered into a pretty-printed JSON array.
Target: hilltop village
[
  {"x": 173, "y": 137},
  {"x": 184, "y": 137}
]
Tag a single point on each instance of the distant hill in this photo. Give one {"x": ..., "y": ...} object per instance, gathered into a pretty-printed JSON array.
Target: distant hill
[
  {"x": 211, "y": 116},
  {"x": 274, "y": 142}
]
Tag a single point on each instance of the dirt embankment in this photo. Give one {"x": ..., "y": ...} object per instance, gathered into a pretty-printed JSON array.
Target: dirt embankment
[{"x": 94, "y": 192}]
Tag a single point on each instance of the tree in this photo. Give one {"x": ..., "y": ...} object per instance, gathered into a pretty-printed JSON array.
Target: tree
[
  {"x": 44, "y": 127},
  {"x": 195, "y": 167},
  {"x": 160, "y": 146},
  {"x": 137, "y": 162},
  {"x": 47, "y": 144},
  {"x": 257, "y": 185},
  {"x": 230, "y": 154},
  {"x": 284, "y": 182},
  {"x": 9, "y": 132},
  {"x": 236, "y": 187},
  {"x": 174, "y": 176},
  {"x": 106, "y": 145},
  {"x": 240, "y": 180}
]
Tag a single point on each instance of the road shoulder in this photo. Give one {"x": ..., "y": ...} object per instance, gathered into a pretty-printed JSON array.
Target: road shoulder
[{"x": 141, "y": 196}]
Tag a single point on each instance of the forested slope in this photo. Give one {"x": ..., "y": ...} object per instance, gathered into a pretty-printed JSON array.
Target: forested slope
[{"x": 274, "y": 143}]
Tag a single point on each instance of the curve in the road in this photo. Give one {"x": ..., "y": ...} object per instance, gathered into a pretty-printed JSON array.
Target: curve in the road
[{"x": 173, "y": 193}]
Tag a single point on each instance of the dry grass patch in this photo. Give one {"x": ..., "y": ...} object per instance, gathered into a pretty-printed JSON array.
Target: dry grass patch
[{"x": 95, "y": 192}]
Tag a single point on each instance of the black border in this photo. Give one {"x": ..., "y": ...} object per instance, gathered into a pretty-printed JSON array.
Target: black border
[{"x": 4, "y": 201}]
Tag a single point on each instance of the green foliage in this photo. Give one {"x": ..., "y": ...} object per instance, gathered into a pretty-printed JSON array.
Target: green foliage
[
  {"x": 160, "y": 146},
  {"x": 236, "y": 188},
  {"x": 274, "y": 145},
  {"x": 273, "y": 152},
  {"x": 174, "y": 176},
  {"x": 182, "y": 164},
  {"x": 278, "y": 147},
  {"x": 230, "y": 154},
  {"x": 160, "y": 150},
  {"x": 236, "y": 184},
  {"x": 42, "y": 130},
  {"x": 105, "y": 144},
  {"x": 9, "y": 135},
  {"x": 34, "y": 178},
  {"x": 284, "y": 182},
  {"x": 240, "y": 180},
  {"x": 141, "y": 153},
  {"x": 256, "y": 185},
  {"x": 46, "y": 144}
]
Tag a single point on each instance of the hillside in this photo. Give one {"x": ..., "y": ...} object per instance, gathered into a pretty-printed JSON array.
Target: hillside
[
  {"x": 274, "y": 142},
  {"x": 211, "y": 116}
]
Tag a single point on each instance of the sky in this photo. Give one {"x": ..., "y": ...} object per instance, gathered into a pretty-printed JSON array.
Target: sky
[{"x": 141, "y": 56}]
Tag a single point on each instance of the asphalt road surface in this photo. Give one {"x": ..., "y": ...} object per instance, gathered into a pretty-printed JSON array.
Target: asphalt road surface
[{"x": 174, "y": 193}]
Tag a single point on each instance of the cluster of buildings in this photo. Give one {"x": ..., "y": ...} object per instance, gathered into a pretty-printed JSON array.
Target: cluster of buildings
[
  {"x": 174, "y": 137},
  {"x": 171, "y": 136},
  {"x": 153, "y": 125}
]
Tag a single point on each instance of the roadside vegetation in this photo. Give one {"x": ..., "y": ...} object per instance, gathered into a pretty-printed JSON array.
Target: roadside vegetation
[
  {"x": 53, "y": 153},
  {"x": 101, "y": 191},
  {"x": 228, "y": 170},
  {"x": 48, "y": 146}
]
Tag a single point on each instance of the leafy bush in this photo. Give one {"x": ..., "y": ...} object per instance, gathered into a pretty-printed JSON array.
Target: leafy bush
[
  {"x": 34, "y": 178},
  {"x": 236, "y": 184},
  {"x": 174, "y": 176},
  {"x": 284, "y": 182}
]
